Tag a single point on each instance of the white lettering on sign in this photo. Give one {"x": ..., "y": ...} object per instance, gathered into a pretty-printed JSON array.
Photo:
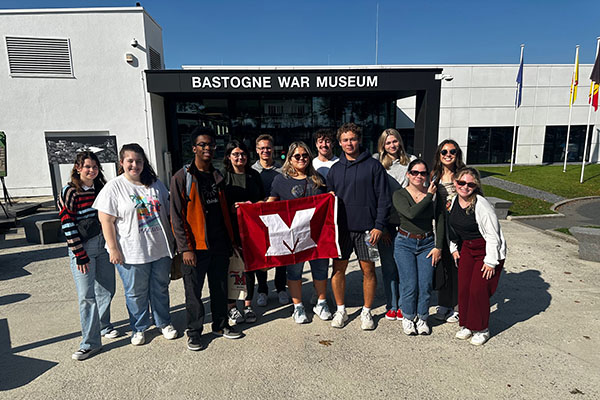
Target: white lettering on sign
[
  {"x": 286, "y": 240},
  {"x": 293, "y": 81},
  {"x": 285, "y": 82},
  {"x": 343, "y": 81},
  {"x": 235, "y": 82}
]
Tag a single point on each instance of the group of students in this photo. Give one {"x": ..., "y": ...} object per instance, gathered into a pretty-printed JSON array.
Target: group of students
[{"x": 433, "y": 229}]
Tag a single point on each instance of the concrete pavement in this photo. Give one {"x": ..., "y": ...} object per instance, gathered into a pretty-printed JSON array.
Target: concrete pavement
[{"x": 545, "y": 325}]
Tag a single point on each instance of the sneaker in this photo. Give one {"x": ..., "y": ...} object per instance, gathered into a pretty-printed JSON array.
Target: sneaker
[
  {"x": 322, "y": 311},
  {"x": 453, "y": 318},
  {"x": 391, "y": 315},
  {"x": 249, "y": 315},
  {"x": 82, "y": 354},
  {"x": 299, "y": 315},
  {"x": 283, "y": 297},
  {"x": 194, "y": 344},
  {"x": 366, "y": 321},
  {"x": 138, "y": 338},
  {"x": 399, "y": 316},
  {"x": 261, "y": 301},
  {"x": 339, "y": 319},
  {"x": 422, "y": 327},
  {"x": 480, "y": 337},
  {"x": 228, "y": 333},
  {"x": 169, "y": 332},
  {"x": 235, "y": 317},
  {"x": 408, "y": 326},
  {"x": 463, "y": 333},
  {"x": 113, "y": 333}
]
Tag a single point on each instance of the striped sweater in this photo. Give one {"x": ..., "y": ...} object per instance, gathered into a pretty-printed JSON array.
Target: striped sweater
[{"x": 74, "y": 207}]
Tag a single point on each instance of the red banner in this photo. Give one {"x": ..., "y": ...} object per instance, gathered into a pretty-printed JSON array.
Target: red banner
[{"x": 288, "y": 232}]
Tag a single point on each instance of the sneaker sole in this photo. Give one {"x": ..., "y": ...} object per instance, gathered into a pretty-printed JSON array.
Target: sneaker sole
[
  {"x": 86, "y": 355},
  {"x": 463, "y": 337},
  {"x": 111, "y": 336},
  {"x": 231, "y": 337},
  {"x": 195, "y": 348},
  {"x": 477, "y": 343},
  {"x": 390, "y": 318},
  {"x": 367, "y": 328}
]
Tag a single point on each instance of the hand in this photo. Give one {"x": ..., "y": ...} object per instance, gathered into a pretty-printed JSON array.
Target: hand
[
  {"x": 456, "y": 257},
  {"x": 115, "y": 256},
  {"x": 332, "y": 192},
  {"x": 237, "y": 205},
  {"x": 189, "y": 258},
  {"x": 386, "y": 238},
  {"x": 435, "y": 255},
  {"x": 375, "y": 235},
  {"x": 432, "y": 188},
  {"x": 488, "y": 272},
  {"x": 83, "y": 268}
]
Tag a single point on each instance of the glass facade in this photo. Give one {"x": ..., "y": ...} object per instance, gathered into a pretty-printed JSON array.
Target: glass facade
[
  {"x": 490, "y": 145},
  {"x": 554, "y": 143}
]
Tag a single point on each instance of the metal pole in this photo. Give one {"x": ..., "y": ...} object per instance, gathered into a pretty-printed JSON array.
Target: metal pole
[
  {"x": 512, "y": 148},
  {"x": 571, "y": 101},
  {"x": 377, "y": 34},
  {"x": 587, "y": 128}
]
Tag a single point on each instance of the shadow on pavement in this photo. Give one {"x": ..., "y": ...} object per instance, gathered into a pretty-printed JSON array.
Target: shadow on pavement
[
  {"x": 13, "y": 298},
  {"x": 11, "y": 265}
]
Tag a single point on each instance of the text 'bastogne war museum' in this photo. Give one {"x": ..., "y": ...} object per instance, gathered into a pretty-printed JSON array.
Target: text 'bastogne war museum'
[{"x": 66, "y": 87}]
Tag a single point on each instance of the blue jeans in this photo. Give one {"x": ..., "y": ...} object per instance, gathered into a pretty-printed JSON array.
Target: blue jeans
[
  {"x": 318, "y": 268},
  {"x": 390, "y": 273},
  {"x": 147, "y": 285},
  {"x": 95, "y": 290},
  {"x": 416, "y": 274}
]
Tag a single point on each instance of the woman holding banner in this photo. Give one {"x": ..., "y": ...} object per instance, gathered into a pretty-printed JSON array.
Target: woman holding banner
[{"x": 299, "y": 179}]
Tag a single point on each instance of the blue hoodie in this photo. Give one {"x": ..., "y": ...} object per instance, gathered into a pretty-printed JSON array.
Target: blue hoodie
[{"x": 363, "y": 190}]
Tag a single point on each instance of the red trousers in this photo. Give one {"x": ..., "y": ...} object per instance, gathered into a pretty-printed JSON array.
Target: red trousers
[{"x": 474, "y": 291}]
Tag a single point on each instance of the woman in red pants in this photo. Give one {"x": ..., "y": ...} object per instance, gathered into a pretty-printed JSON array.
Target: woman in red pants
[{"x": 482, "y": 252}]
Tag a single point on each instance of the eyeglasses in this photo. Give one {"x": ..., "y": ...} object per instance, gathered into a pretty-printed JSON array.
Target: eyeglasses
[
  {"x": 265, "y": 148},
  {"x": 303, "y": 156},
  {"x": 451, "y": 151},
  {"x": 415, "y": 173},
  {"x": 203, "y": 145},
  {"x": 471, "y": 185},
  {"x": 239, "y": 155}
]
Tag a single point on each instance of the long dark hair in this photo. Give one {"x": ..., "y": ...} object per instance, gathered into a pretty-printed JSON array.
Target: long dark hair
[
  {"x": 148, "y": 176},
  {"x": 438, "y": 168},
  {"x": 99, "y": 180},
  {"x": 234, "y": 144}
]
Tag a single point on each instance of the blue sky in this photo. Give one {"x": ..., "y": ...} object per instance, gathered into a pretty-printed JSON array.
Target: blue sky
[{"x": 337, "y": 32}]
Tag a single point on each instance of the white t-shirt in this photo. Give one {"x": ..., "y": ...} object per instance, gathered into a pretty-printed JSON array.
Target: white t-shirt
[
  {"x": 322, "y": 167},
  {"x": 143, "y": 229}
]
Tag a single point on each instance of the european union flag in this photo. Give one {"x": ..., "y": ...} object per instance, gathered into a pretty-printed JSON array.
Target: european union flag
[{"x": 519, "y": 83}]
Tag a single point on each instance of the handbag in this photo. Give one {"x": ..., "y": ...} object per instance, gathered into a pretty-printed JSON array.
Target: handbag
[
  {"x": 176, "y": 267},
  {"x": 236, "y": 277},
  {"x": 88, "y": 228}
]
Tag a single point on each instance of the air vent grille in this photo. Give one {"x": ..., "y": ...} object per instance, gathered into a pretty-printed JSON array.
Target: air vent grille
[
  {"x": 39, "y": 56},
  {"x": 155, "y": 59}
]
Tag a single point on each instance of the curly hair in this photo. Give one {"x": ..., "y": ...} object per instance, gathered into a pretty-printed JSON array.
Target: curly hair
[
  {"x": 350, "y": 127},
  {"x": 99, "y": 181},
  {"x": 289, "y": 171}
]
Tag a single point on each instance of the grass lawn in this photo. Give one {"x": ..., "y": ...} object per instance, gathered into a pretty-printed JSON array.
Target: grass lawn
[
  {"x": 522, "y": 205},
  {"x": 550, "y": 178}
]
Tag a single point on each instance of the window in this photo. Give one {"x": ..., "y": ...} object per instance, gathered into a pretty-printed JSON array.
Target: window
[
  {"x": 554, "y": 143},
  {"x": 155, "y": 59},
  {"x": 490, "y": 145},
  {"x": 30, "y": 56}
]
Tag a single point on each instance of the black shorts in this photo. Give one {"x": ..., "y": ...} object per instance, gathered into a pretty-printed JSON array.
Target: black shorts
[{"x": 350, "y": 241}]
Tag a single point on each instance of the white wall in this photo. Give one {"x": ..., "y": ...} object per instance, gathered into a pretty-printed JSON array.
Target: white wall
[{"x": 106, "y": 93}]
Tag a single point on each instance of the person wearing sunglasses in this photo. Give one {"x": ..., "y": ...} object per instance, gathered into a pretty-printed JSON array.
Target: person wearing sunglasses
[
  {"x": 448, "y": 158},
  {"x": 479, "y": 251},
  {"x": 242, "y": 184},
  {"x": 299, "y": 179},
  {"x": 394, "y": 159},
  {"x": 417, "y": 248}
]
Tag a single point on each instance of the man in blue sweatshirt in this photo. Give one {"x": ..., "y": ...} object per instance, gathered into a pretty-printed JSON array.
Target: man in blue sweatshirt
[{"x": 360, "y": 183}]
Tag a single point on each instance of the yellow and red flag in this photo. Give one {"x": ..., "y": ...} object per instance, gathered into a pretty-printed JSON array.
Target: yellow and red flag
[
  {"x": 575, "y": 79},
  {"x": 595, "y": 78}
]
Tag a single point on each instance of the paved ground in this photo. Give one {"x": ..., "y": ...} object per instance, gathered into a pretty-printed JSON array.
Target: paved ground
[
  {"x": 521, "y": 189},
  {"x": 545, "y": 325},
  {"x": 576, "y": 213}
]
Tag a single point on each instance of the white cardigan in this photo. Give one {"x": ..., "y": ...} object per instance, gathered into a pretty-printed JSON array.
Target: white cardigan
[{"x": 489, "y": 227}]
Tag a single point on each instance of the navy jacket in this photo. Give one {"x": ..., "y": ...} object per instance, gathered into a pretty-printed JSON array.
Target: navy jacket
[{"x": 363, "y": 190}]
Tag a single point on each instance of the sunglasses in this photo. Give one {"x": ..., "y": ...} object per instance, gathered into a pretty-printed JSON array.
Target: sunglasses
[
  {"x": 471, "y": 185},
  {"x": 451, "y": 151},
  {"x": 303, "y": 156},
  {"x": 415, "y": 173}
]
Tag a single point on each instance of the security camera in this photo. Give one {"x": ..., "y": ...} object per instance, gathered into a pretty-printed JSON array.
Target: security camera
[{"x": 134, "y": 43}]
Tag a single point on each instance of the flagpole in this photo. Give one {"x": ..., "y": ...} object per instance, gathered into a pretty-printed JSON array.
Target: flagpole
[
  {"x": 512, "y": 148},
  {"x": 571, "y": 101},
  {"x": 587, "y": 128}
]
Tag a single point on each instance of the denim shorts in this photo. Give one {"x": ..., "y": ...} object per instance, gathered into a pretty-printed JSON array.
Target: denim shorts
[{"x": 318, "y": 269}]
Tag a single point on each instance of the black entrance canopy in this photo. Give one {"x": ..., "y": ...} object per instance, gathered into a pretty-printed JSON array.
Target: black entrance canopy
[{"x": 368, "y": 82}]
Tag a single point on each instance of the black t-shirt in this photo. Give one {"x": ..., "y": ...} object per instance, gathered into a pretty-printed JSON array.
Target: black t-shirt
[
  {"x": 216, "y": 231},
  {"x": 464, "y": 224},
  {"x": 288, "y": 188}
]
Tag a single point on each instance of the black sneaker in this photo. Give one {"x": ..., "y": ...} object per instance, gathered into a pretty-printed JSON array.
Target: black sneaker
[
  {"x": 228, "y": 333},
  {"x": 249, "y": 315},
  {"x": 82, "y": 354},
  {"x": 194, "y": 344}
]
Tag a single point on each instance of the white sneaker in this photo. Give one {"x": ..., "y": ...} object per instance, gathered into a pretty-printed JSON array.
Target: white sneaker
[
  {"x": 299, "y": 315},
  {"x": 322, "y": 311},
  {"x": 480, "y": 337},
  {"x": 138, "y": 338},
  {"x": 339, "y": 319},
  {"x": 169, "y": 332},
  {"x": 261, "y": 300},
  {"x": 283, "y": 297},
  {"x": 453, "y": 318},
  {"x": 422, "y": 327},
  {"x": 408, "y": 326},
  {"x": 366, "y": 321},
  {"x": 112, "y": 334},
  {"x": 463, "y": 333},
  {"x": 235, "y": 317}
]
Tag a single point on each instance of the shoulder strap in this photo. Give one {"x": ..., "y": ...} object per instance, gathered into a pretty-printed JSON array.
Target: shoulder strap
[{"x": 188, "y": 181}]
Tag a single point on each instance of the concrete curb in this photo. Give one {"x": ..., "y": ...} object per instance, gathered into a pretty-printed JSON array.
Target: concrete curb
[
  {"x": 563, "y": 202},
  {"x": 553, "y": 208}
]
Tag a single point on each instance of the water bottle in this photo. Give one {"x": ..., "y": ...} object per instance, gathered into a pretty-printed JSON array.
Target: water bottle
[{"x": 373, "y": 251}]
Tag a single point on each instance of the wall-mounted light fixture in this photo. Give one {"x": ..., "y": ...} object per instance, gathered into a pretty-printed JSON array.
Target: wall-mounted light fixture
[{"x": 129, "y": 58}]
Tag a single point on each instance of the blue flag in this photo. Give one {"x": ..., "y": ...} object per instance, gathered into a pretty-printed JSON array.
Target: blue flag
[{"x": 519, "y": 84}]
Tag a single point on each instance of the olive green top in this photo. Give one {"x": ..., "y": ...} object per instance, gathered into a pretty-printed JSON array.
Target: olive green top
[{"x": 418, "y": 217}]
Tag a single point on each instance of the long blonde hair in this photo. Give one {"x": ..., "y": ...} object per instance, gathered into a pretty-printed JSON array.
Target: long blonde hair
[
  {"x": 289, "y": 170},
  {"x": 385, "y": 158},
  {"x": 472, "y": 200}
]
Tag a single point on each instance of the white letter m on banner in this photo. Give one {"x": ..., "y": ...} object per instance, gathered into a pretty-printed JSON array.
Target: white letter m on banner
[{"x": 286, "y": 240}]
